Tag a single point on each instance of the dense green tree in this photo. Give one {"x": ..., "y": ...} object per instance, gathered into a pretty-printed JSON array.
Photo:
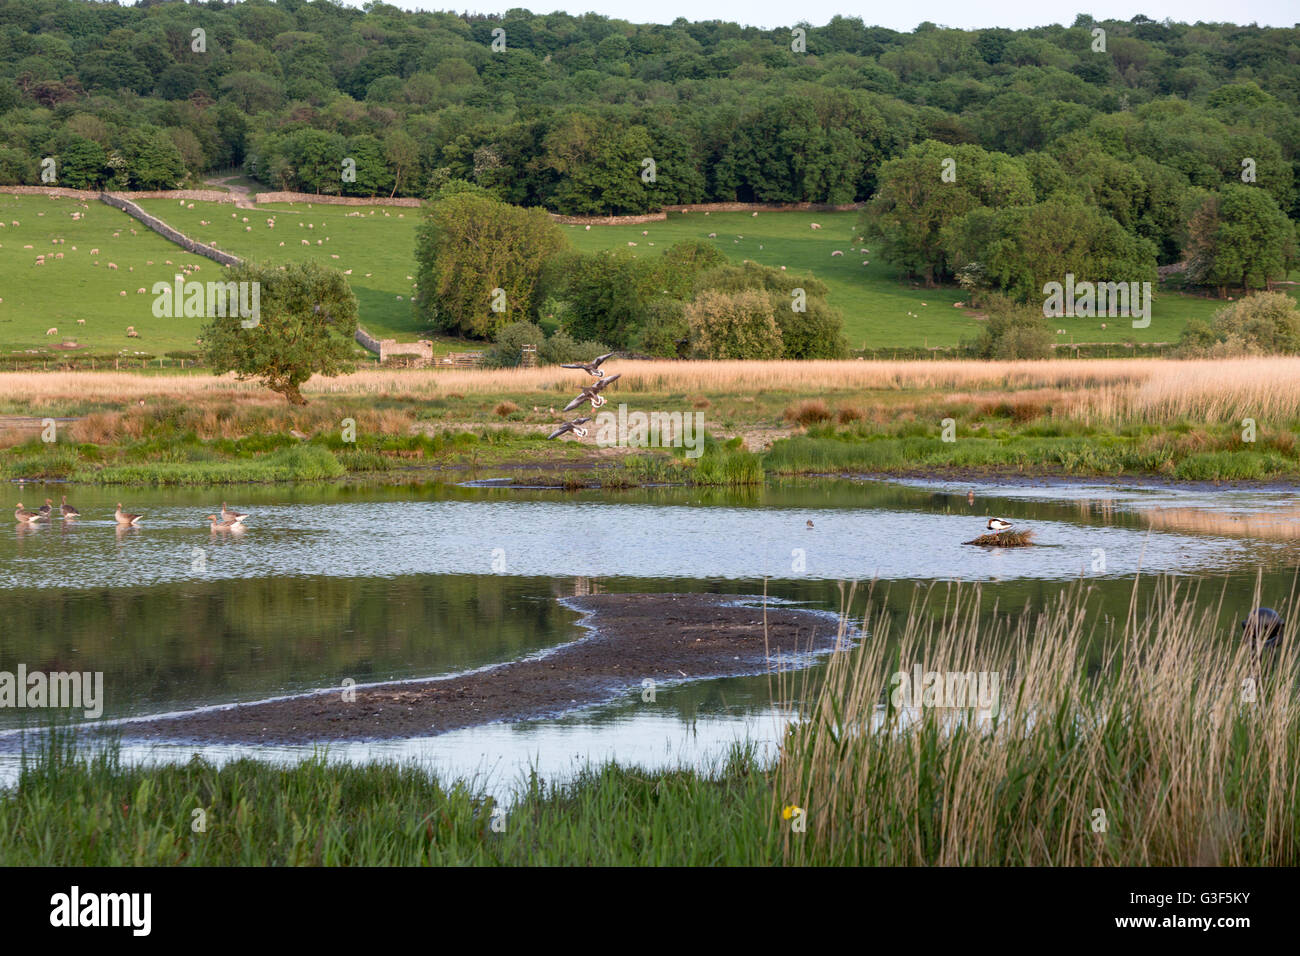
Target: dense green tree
[
  {"x": 480, "y": 260},
  {"x": 305, "y": 324},
  {"x": 1239, "y": 237}
]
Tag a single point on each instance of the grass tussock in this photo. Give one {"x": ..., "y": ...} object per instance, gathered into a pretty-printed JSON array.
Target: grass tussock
[
  {"x": 809, "y": 412},
  {"x": 1152, "y": 741}
]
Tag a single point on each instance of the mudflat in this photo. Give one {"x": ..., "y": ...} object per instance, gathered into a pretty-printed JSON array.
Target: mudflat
[{"x": 631, "y": 637}]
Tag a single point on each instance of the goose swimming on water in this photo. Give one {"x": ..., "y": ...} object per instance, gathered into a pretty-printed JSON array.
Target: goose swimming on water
[
  {"x": 234, "y": 517},
  {"x": 67, "y": 510},
  {"x": 125, "y": 519},
  {"x": 23, "y": 516}
]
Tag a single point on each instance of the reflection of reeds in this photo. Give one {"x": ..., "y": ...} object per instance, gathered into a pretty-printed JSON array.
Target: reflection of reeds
[
  {"x": 1115, "y": 742},
  {"x": 1004, "y": 539},
  {"x": 1280, "y": 525}
]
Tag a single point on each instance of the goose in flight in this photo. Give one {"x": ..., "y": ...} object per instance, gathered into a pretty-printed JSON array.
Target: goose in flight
[
  {"x": 574, "y": 426},
  {"x": 592, "y": 367},
  {"x": 592, "y": 393},
  {"x": 125, "y": 519},
  {"x": 997, "y": 524}
]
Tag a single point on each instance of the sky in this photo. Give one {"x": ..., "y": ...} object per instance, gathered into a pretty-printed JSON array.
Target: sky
[{"x": 1015, "y": 14}]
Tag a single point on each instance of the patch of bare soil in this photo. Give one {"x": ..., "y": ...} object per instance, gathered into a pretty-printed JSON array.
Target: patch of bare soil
[{"x": 664, "y": 637}]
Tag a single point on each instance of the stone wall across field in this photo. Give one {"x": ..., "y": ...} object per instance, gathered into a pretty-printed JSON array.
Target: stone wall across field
[
  {"x": 750, "y": 207},
  {"x": 193, "y": 195},
  {"x": 608, "y": 220},
  {"x": 49, "y": 191},
  {"x": 764, "y": 207},
  {"x": 167, "y": 232},
  {"x": 406, "y": 203}
]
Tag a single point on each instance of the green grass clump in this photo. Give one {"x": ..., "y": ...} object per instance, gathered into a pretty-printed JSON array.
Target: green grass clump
[{"x": 297, "y": 463}]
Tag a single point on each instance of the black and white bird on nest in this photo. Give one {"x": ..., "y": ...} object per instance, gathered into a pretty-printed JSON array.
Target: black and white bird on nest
[
  {"x": 592, "y": 393},
  {"x": 593, "y": 366},
  {"x": 574, "y": 426},
  {"x": 997, "y": 524}
]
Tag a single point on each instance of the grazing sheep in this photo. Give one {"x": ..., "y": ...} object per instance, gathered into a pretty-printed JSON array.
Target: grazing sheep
[
  {"x": 866, "y": 262},
  {"x": 631, "y": 243},
  {"x": 81, "y": 321},
  {"x": 58, "y": 255},
  {"x": 131, "y": 333},
  {"x": 753, "y": 214},
  {"x": 816, "y": 225},
  {"x": 112, "y": 265},
  {"x": 139, "y": 291},
  {"x": 588, "y": 228},
  {"x": 51, "y": 331},
  {"x": 713, "y": 235},
  {"x": 837, "y": 252},
  {"x": 123, "y": 292},
  {"x": 94, "y": 252},
  {"x": 645, "y": 232}
]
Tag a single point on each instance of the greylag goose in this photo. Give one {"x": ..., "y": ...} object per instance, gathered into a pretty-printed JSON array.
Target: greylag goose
[
  {"x": 593, "y": 367},
  {"x": 23, "y": 516},
  {"x": 592, "y": 393},
  {"x": 234, "y": 517},
  {"x": 45, "y": 509},
  {"x": 219, "y": 525},
  {"x": 67, "y": 510},
  {"x": 574, "y": 426},
  {"x": 125, "y": 519}
]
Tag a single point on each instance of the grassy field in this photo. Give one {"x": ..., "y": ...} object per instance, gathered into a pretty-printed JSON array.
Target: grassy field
[
  {"x": 375, "y": 245},
  {"x": 1124, "y": 743}
]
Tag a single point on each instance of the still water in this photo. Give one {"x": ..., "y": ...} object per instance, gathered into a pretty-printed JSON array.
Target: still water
[{"x": 376, "y": 583}]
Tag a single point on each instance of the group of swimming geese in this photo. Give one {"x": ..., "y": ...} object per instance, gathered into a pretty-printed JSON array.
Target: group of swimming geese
[{"x": 228, "y": 520}]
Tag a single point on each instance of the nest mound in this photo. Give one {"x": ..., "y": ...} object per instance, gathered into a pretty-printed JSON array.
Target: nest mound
[{"x": 1004, "y": 539}]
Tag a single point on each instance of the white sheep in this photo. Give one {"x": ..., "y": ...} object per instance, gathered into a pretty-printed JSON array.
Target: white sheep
[
  {"x": 51, "y": 331},
  {"x": 81, "y": 321},
  {"x": 837, "y": 252},
  {"x": 816, "y": 225}
]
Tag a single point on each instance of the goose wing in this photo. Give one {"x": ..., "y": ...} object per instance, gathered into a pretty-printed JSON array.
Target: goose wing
[
  {"x": 577, "y": 401},
  {"x": 561, "y": 430},
  {"x": 595, "y": 363}
]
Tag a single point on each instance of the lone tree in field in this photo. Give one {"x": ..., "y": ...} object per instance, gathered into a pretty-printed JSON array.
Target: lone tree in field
[{"x": 305, "y": 327}]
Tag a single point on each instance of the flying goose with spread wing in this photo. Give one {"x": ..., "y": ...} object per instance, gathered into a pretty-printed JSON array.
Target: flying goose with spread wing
[
  {"x": 592, "y": 393},
  {"x": 574, "y": 426},
  {"x": 592, "y": 367}
]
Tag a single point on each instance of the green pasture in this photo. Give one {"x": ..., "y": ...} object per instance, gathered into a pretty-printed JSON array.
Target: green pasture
[{"x": 375, "y": 246}]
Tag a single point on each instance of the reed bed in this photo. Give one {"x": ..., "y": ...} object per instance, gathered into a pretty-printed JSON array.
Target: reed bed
[
  {"x": 1156, "y": 740},
  {"x": 1092, "y": 390}
]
